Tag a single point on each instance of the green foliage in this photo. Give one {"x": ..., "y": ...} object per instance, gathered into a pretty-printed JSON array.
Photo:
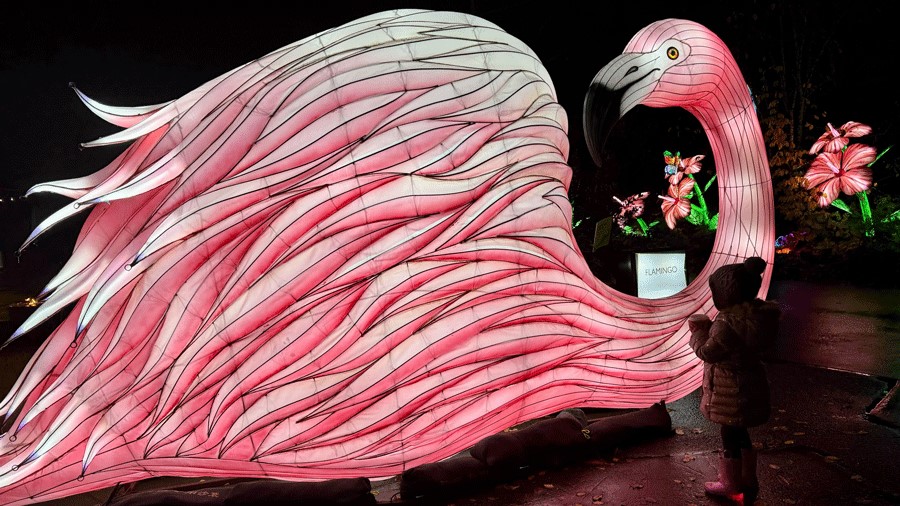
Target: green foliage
[
  {"x": 700, "y": 211},
  {"x": 886, "y": 219},
  {"x": 576, "y": 221},
  {"x": 642, "y": 229},
  {"x": 840, "y": 204}
]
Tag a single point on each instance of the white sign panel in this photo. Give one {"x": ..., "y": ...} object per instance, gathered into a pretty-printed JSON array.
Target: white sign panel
[{"x": 659, "y": 274}]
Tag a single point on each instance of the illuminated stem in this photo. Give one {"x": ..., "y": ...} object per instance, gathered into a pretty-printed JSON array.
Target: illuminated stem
[
  {"x": 866, "y": 212},
  {"x": 701, "y": 202},
  {"x": 644, "y": 228}
]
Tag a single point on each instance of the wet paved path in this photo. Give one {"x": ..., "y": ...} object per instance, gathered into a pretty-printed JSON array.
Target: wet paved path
[{"x": 839, "y": 327}]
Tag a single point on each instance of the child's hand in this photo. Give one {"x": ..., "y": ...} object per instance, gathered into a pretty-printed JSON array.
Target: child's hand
[
  {"x": 699, "y": 322},
  {"x": 699, "y": 325}
]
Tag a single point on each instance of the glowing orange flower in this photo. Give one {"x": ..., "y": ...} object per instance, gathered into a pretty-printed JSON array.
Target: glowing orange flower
[
  {"x": 834, "y": 140},
  {"x": 676, "y": 205},
  {"x": 842, "y": 171}
]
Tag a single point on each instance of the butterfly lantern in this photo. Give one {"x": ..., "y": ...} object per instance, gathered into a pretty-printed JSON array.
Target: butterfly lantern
[
  {"x": 672, "y": 164},
  {"x": 677, "y": 167}
]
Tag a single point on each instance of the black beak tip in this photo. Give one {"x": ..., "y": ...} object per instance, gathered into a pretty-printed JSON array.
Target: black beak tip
[{"x": 601, "y": 113}]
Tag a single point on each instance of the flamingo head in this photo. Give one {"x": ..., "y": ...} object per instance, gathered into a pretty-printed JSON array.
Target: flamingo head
[{"x": 669, "y": 63}]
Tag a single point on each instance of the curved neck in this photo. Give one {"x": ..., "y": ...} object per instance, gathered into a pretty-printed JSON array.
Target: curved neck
[{"x": 745, "y": 189}]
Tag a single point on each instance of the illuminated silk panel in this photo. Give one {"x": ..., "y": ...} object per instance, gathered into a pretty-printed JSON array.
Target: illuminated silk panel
[{"x": 353, "y": 256}]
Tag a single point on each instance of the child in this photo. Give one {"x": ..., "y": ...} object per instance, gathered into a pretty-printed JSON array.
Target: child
[{"x": 735, "y": 386}]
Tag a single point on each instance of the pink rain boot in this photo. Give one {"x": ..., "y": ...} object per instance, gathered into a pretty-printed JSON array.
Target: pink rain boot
[
  {"x": 729, "y": 483},
  {"x": 749, "y": 482}
]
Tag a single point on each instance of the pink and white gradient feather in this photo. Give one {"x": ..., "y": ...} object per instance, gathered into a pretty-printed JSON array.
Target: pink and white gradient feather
[{"x": 350, "y": 257}]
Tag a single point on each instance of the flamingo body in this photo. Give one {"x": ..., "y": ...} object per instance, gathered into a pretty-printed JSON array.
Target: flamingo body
[{"x": 352, "y": 256}]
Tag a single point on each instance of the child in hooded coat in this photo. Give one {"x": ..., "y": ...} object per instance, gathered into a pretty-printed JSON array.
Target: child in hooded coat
[{"x": 735, "y": 385}]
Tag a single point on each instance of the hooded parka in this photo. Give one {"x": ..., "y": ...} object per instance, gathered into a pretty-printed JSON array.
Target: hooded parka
[{"x": 732, "y": 347}]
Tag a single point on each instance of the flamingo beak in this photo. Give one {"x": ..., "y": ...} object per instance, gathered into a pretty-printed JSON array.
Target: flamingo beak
[{"x": 602, "y": 108}]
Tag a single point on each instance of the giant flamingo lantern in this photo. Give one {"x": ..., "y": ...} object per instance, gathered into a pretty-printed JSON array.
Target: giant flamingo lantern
[{"x": 353, "y": 256}]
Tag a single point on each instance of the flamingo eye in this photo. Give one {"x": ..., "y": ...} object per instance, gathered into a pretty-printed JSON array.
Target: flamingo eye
[{"x": 672, "y": 53}]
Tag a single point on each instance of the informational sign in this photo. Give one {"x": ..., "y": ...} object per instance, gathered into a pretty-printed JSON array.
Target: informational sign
[
  {"x": 659, "y": 274},
  {"x": 602, "y": 232}
]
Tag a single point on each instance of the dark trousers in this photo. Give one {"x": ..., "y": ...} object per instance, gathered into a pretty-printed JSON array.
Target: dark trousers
[{"x": 734, "y": 439}]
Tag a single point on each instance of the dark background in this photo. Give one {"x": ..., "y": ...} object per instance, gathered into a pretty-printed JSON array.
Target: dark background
[{"x": 132, "y": 54}]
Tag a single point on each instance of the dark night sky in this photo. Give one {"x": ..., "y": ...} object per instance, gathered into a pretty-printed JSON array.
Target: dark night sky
[
  {"x": 128, "y": 56},
  {"x": 133, "y": 54}
]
